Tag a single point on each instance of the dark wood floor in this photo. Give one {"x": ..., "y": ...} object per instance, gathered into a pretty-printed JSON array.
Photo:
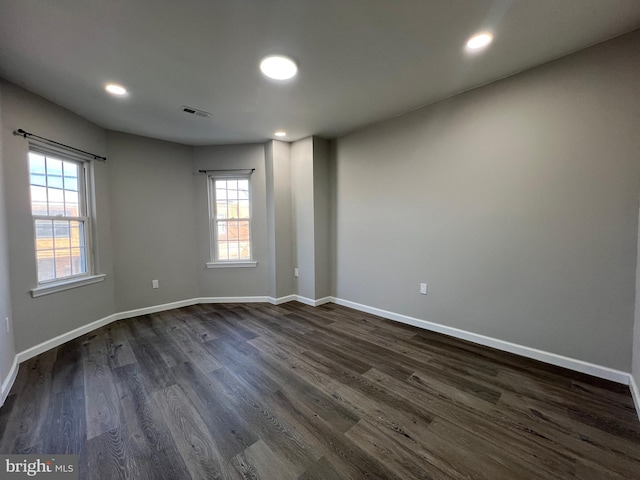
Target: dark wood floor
[{"x": 285, "y": 392}]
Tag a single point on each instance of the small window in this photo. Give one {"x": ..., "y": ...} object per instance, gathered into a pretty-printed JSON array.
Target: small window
[
  {"x": 60, "y": 216},
  {"x": 230, "y": 212}
]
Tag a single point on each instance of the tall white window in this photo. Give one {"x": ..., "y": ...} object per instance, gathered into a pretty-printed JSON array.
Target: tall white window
[
  {"x": 230, "y": 212},
  {"x": 61, "y": 217}
]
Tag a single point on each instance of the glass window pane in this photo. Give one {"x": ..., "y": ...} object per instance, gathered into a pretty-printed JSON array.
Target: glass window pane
[
  {"x": 243, "y": 230},
  {"x": 233, "y": 209},
  {"x": 232, "y": 233},
  {"x": 221, "y": 209},
  {"x": 63, "y": 262},
  {"x": 54, "y": 173},
  {"x": 71, "y": 204},
  {"x": 77, "y": 234},
  {"x": 78, "y": 262},
  {"x": 36, "y": 160},
  {"x": 44, "y": 232},
  {"x": 70, "y": 176},
  {"x": 232, "y": 197},
  {"x": 37, "y": 169},
  {"x": 37, "y": 179},
  {"x": 71, "y": 184},
  {"x": 243, "y": 209},
  {"x": 46, "y": 265},
  {"x": 56, "y": 201},
  {"x": 61, "y": 248},
  {"x": 61, "y": 234},
  {"x": 222, "y": 230},
  {"x": 223, "y": 251},
  {"x": 245, "y": 251},
  {"x": 39, "y": 200},
  {"x": 233, "y": 251},
  {"x": 232, "y": 189}
]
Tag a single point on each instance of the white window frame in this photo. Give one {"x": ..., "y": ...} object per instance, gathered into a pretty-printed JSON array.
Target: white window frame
[
  {"x": 215, "y": 261},
  {"x": 87, "y": 217}
]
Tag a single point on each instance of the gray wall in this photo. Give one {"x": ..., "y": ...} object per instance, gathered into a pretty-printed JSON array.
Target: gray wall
[
  {"x": 154, "y": 234},
  {"x": 516, "y": 202},
  {"x": 321, "y": 218},
  {"x": 232, "y": 282},
  {"x": 311, "y": 189},
  {"x": 302, "y": 195},
  {"x": 43, "y": 318},
  {"x": 279, "y": 219},
  {"x": 7, "y": 347},
  {"x": 271, "y": 222}
]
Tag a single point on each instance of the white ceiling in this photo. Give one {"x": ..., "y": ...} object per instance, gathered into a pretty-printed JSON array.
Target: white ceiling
[{"x": 360, "y": 61}]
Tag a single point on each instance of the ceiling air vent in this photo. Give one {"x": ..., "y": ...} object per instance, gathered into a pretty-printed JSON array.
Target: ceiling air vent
[{"x": 195, "y": 111}]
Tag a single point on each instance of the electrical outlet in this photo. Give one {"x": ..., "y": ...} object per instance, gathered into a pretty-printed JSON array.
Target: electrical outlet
[
  {"x": 295, "y": 272},
  {"x": 155, "y": 284},
  {"x": 6, "y": 321},
  {"x": 423, "y": 288}
]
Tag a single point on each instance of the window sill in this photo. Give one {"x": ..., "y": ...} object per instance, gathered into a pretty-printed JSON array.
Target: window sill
[
  {"x": 66, "y": 285},
  {"x": 231, "y": 264}
]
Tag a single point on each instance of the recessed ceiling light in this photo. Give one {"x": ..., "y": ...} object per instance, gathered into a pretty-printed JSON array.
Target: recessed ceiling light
[
  {"x": 479, "y": 41},
  {"x": 278, "y": 67},
  {"x": 280, "y": 133},
  {"x": 115, "y": 89}
]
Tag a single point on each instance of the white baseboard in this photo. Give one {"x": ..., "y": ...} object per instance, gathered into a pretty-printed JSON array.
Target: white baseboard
[
  {"x": 635, "y": 393},
  {"x": 156, "y": 308},
  {"x": 547, "y": 357},
  {"x": 8, "y": 382},
  {"x": 313, "y": 303},
  {"x": 280, "y": 300},
  {"x": 305, "y": 300},
  {"x": 322, "y": 301},
  {"x": 258, "y": 299},
  {"x": 65, "y": 337}
]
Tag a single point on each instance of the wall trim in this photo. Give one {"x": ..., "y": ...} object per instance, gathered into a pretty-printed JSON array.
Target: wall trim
[
  {"x": 301, "y": 299},
  {"x": 635, "y": 394},
  {"x": 75, "y": 333},
  {"x": 280, "y": 300},
  {"x": 65, "y": 337},
  {"x": 156, "y": 308},
  {"x": 322, "y": 301},
  {"x": 257, "y": 299},
  {"x": 541, "y": 355},
  {"x": 8, "y": 382},
  {"x": 528, "y": 352},
  {"x": 314, "y": 303}
]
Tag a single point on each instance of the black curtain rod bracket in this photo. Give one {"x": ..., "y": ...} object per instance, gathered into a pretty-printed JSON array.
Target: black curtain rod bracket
[{"x": 22, "y": 133}]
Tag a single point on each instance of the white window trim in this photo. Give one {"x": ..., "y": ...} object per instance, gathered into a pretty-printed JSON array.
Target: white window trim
[
  {"x": 232, "y": 264},
  {"x": 214, "y": 263},
  {"x": 66, "y": 284},
  {"x": 87, "y": 185}
]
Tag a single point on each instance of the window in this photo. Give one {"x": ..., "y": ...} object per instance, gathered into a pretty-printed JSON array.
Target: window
[
  {"x": 61, "y": 217},
  {"x": 230, "y": 212}
]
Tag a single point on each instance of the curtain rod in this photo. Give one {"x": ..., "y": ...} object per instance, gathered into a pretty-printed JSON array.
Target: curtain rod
[
  {"x": 230, "y": 170},
  {"x": 24, "y": 134}
]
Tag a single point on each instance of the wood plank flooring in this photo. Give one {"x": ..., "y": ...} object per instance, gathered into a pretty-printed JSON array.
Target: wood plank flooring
[{"x": 257, "y": 391}]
